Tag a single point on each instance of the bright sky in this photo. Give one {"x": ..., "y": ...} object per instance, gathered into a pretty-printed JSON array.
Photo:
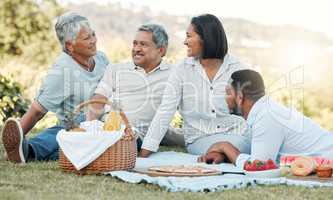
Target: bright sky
[{"x": 315, "y": 15}]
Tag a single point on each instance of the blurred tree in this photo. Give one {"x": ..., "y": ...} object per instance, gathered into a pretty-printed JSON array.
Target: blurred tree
[
  {"x": 12, "y": 104},
  {"x": 26, "y": 28}
]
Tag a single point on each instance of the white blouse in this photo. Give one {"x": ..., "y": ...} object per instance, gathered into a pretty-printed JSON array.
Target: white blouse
[{"x": 201, "y": 102}]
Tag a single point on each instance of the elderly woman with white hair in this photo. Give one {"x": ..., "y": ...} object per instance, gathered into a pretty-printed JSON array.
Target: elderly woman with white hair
[{"x": 71, "y": 80}]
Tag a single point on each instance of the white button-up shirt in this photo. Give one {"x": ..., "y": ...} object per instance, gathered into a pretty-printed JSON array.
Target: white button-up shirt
[
  {"x": 139, "y": 93},
  {"x": 278, "y": 130},
  {"x": 201, "y": 103}
]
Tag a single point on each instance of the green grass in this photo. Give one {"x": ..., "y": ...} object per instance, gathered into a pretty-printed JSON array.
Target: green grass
[{"x": 45, "y": 180}]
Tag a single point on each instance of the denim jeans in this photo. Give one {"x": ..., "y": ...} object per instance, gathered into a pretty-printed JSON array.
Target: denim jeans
[{"x": 45, "y": 145}]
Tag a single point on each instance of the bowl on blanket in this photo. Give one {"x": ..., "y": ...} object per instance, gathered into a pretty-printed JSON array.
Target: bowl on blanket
[{"x": 272, "y": 173}]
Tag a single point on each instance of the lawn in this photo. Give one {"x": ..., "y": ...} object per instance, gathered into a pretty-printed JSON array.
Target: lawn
[{"x": 45, "y": 180}]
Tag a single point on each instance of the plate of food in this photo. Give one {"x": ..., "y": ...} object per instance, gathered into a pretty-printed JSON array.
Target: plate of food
[
  {"x": 262, "y": 169},
  {"x": 179, "y": 170}
]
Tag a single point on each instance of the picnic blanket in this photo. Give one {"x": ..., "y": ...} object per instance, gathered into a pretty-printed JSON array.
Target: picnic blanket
[{"x": 201, "y": 184}]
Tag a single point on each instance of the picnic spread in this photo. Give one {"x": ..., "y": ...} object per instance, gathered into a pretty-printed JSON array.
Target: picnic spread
[
  {"x": 109, "y": 148},
  {"x": 230, "y": 177},
  {"x": 177, "y": 171}
]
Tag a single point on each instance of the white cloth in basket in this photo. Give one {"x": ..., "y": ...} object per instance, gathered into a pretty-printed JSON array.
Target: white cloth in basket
[{"x": 81, "y": 148}]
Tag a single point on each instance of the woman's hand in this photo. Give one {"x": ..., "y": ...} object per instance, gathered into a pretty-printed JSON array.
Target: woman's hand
[{"x": 144, "y": 153}]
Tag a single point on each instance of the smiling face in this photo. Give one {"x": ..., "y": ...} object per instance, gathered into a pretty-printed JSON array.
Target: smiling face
[
  {"x": 145, "y": 53},
  {"x": 193, "y": 42},
  {"x": 84, "y": 44}
]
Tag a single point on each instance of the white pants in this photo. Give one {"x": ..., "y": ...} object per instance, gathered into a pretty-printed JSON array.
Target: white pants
[
  {"x": 173, "y": 137},
  {"x": 201, "y": 145}
]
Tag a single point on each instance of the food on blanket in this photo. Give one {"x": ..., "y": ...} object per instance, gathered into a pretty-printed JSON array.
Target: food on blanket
[
  {"x": 287, "y": 160},
  {"x": 113, "y": 122},
  {"x": 78, "y": 129},
  {"x": 303, "y": 166},
  {"x": 182, "y": 169},
  {"x": 273, "y": 173},
  {"x": 323, "y": 161},
  {"x": 258, "y": 165},
  {"x": 285, "y": 171},
  {"x": 324, "y": 171}
]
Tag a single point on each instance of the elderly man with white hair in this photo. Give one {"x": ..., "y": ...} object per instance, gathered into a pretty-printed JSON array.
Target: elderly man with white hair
[{"x": 71, "y": 80}]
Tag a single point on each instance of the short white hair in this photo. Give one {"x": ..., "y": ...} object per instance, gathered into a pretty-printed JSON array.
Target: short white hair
[
  {"x": 160, "y": 36},
  {"x": 68, "y": 27}
]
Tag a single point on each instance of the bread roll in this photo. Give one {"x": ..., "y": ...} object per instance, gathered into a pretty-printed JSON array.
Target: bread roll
[{"x": 303, "y": 166}]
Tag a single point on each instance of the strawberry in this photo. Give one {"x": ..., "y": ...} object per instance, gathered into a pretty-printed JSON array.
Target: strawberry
[
  {"x": 270, "y": 164},
  {"x": 255, "y": 162},
  {"x": 247, "y": 165},
  {"x": 253, "y": 165},
  {"x": 260, "y": 166},
  {"x": 250, "y": 166}
]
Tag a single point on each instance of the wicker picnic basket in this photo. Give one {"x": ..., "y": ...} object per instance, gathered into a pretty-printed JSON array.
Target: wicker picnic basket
[{"x": 120, "y": 156}]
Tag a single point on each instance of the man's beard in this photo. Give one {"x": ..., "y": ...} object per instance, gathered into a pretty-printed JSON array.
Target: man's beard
[{"x": 236, "y": 111}]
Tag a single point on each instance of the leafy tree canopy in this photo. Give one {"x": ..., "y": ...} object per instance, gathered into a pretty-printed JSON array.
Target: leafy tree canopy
[{"x": 27, "y": 29}]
